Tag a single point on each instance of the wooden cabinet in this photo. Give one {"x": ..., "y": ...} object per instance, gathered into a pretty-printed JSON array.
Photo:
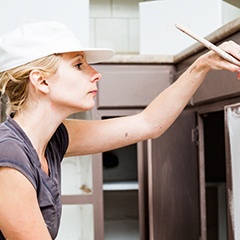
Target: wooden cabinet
[
  {"x": 160, "y": 196},
  {"x": 217, "y": 198},
  {"x": 185, "y": 181}
]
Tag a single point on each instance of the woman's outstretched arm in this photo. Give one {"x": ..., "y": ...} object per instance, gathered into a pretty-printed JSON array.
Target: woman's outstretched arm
[{"x": 88, "y": 137}]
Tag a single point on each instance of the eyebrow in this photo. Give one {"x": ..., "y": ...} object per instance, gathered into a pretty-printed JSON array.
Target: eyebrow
[{"x": 78, "y": 56}]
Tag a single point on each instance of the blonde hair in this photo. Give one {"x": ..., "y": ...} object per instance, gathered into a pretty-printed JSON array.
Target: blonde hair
[{"x": 14, "y": 82}]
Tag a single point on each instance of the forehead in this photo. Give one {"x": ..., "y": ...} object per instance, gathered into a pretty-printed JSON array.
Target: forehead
[{"x": 72, "y": 55}]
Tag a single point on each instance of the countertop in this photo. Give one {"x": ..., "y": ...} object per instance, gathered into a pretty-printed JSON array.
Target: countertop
[{"x": 218, "y": 35}]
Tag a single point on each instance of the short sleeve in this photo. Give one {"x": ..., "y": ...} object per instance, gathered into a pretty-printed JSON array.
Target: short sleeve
[
  {"x": 60, "y": 140},
  {"x": 14, "y": 156}
]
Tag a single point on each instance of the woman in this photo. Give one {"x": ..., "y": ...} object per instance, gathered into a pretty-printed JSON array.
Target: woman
[{"x": 45, "y": 76}]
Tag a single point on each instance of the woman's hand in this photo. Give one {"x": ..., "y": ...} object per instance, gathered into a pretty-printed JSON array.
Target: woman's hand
[{"x": 215, "y": 62}]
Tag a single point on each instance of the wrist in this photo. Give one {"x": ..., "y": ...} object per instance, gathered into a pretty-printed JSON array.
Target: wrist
[{"x": 201, "y": 65}]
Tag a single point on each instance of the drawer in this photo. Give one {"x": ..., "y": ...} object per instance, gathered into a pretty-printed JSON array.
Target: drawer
[{"x": 131, "y": 85}]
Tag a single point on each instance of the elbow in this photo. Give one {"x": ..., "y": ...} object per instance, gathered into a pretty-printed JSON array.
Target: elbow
[{"x": 156, "y": 131}]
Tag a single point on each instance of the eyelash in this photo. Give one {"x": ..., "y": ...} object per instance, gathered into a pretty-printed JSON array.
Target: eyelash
[{"x": 78, "y": 65}]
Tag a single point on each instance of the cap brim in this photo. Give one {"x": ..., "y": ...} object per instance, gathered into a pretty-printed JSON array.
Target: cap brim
[{"x": 96, "y": 55}]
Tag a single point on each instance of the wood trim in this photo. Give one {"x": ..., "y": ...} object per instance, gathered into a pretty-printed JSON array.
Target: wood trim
[
  {"x": 77, "y": 199},
  {"x": 98, "y": 197},
  {"x": 202, "y": 187},
  {"x": 143, "y": 190},
  {"x": 150, "y": 190}
]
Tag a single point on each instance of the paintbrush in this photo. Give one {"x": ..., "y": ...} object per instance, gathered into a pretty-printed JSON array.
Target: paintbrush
[{"x": 209, "y": 45}]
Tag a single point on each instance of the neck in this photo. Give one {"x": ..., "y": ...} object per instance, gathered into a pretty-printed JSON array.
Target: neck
[{"x": 39, "y": 125}]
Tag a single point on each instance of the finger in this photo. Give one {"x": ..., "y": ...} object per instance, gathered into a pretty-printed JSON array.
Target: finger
[
  {"x": 232, "y": 48},
  {"x": 238, "y": 76}
]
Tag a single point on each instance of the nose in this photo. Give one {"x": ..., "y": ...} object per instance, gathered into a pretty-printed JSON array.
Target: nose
[{"x": 95, "y": 75}]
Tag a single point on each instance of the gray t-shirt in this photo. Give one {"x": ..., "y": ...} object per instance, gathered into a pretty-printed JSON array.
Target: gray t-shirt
[{"x": 16, "y": 151}]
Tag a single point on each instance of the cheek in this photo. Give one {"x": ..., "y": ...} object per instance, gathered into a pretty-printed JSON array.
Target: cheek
[{"x": 70, "y": 87}]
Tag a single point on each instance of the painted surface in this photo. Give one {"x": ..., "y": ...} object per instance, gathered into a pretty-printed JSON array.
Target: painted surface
[{"x": 233, "y": 127}]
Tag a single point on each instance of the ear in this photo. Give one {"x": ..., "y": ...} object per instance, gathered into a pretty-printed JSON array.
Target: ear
[{"x": 39, "y": 81}]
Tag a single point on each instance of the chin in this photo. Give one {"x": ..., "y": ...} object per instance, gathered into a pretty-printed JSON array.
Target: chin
[{"x": 86, "y": 107}]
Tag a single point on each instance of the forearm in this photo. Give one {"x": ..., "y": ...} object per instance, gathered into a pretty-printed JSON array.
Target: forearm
[{"x": 167, "y": 106}]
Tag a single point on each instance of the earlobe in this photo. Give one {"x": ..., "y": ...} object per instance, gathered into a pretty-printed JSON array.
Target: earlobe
[{"x": 38, "y": 81}]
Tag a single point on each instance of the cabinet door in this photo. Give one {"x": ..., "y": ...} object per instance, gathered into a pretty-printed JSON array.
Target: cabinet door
[
  {"x": 173, "y": 182},
  {"x": 232, "y": 132}
]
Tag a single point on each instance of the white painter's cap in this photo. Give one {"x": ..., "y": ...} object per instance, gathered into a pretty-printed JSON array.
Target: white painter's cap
[{"x": 36, "y": 40}]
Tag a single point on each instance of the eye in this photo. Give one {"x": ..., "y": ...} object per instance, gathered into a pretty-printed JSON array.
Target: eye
[{"x": 78, "y": 65}]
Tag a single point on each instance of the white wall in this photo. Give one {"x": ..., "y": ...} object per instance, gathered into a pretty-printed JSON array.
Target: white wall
[
  {"x": 158, "y": 35},
  {"x": 116, "y": 23},
  {"x": 113, "y": 23},
  {"x": 229, "y": 12},
  {"x": 73, "y": 13}
]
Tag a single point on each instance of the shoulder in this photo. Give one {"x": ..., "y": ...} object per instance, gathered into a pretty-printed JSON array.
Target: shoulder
[
  {"x": 14, "y": 154},
  {"x": 11, "y": 147}
]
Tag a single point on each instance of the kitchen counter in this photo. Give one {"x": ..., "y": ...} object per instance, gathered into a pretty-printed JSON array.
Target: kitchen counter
[{"x": 216, "y": 36}]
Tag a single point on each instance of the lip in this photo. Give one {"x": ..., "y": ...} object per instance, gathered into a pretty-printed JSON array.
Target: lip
[{"x": 94, "y": 92}]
